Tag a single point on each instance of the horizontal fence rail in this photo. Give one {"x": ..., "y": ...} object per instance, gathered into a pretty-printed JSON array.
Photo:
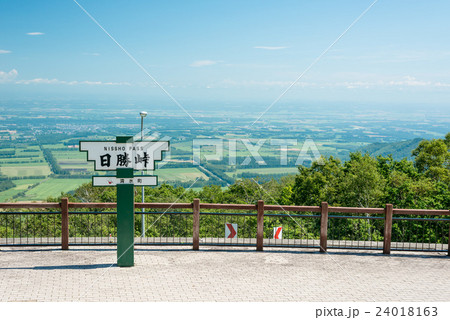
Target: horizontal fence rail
[{"x": 259, "y": 225}]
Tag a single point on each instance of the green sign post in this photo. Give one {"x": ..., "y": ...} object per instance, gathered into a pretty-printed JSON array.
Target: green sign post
[
  {"x": 125, "y": 220},
  {"x": 124, "y": 156}
]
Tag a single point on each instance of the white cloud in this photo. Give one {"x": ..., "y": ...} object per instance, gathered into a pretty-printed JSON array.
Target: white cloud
[
  {"x": 8, "y": 76},
  {"x": 11, "y": 75},
  {"x": 203, "y": 63},
  {"x": 269, "y": 48},
  {"x": 410, "y": 82},
  {"x": 39, "y": 81},
  {"x": 35, "y": 33},
  {"x": 4, "y": 51},
  {"x": 404, "y": 82},
  {"x": 440, "y": 84},
  {"x": 260, "y": 83}
]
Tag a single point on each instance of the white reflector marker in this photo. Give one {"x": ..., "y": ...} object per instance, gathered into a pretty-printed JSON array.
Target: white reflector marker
[
  {"x": 278, "y": 232},
  {"x": 103, "y": 181},
  {"x": 231, "y": 230}
]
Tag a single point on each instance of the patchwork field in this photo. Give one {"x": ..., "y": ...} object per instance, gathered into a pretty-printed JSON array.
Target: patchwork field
[
  {"x": 45, "y": 137},
  {"x": 264, "y": 171},
  {"x": 72, "y": 159},
  {"x": 179, "y": 174},
  {"x": 70, "y": 155},
  {"x": 39, "y": 190},
  {"x": 25, "y": 170},
  {"x": 24, "y": 161},
  {"x": 21, "y": 185},
  {"x": 51, "y": 187}
]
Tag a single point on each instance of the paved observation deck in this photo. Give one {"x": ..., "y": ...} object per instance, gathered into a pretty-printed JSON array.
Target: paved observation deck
[{"x": 222, "y": 274}]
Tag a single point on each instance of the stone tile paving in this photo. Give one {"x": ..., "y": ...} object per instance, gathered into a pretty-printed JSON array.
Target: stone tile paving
[{"x": 221, "y": 274}]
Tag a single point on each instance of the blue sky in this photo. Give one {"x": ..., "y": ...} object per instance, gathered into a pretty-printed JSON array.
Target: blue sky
[{"x": 399, "y": 51}]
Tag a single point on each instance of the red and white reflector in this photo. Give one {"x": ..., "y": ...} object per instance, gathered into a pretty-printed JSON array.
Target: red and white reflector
[
  {"x": 231, "y": 230},
  {"x": 278, "y": 232}
]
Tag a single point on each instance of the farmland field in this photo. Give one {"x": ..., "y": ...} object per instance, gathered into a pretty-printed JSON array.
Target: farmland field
[
  {"x": 30, "y": 133},
  {"x": 286, "y": 170},
  {"x": 21, "y": 185},
  {"x": 52, "y": 187},
  {"x": 25, "y": 171},
  {"x": 69, "y": 155},
  {"x": 15, "y": 161},
  {"x": 22, "y": 164},
  {"x": 73, "y": 160},
  {"x": 179, "y": 174}
]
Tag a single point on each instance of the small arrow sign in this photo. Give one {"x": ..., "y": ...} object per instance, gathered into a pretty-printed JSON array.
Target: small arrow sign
[
  {"x": 105, "y": 181},
  {"x": 231, "y": 230},
  {"x": 278, "y": 232}
]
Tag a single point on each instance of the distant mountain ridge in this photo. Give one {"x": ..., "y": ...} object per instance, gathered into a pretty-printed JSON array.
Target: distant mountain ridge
[{"x": 399, "y": 150}]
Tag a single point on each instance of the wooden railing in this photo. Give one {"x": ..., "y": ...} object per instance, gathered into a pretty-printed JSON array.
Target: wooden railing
[{"x": 260, "y": 207}]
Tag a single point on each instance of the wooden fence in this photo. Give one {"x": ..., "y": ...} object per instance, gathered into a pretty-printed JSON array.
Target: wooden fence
[{"x": 260, "y": 207}]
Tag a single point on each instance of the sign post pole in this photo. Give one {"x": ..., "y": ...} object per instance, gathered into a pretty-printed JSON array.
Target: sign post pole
[
  {"x": 125, "y": 214},
  {"x": 125, "y": 220}
]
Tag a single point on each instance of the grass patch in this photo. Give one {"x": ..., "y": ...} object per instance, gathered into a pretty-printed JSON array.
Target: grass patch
[
  {"x": 55, "y": 146},
  {"x": 26, "y": 164},
  {"x": 69, "y": 155},
  {"x": 286, "y": 170},
  {"x": 179, "y": 174},
  {"x": 53, "y": 188},
  {"x": 21, "y": 161},
  {"x": 21, "y": 185},
  {"x": 25, "y": 171}
]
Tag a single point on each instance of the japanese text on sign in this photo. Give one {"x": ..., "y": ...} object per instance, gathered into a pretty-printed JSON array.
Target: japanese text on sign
[{"x": 137, "y": 155}]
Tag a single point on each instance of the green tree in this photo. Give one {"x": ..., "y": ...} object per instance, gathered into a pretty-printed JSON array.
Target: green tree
[
  {"x": 362, "y": 184},
  {"x": 286, "y": 190},
  {"x": 168, "y": 193},
  {"x": 431, "y": 153},
  {"x": 386, "y": 165},
  {"x": 88, "y": 193},
  {"x": 447, "y": 140},
  {"x": 432, "y": 158},
  {"x": 211, "y": 194},
  {"x": 318, "y": 183},
  {"x": 246, "y": 191}
]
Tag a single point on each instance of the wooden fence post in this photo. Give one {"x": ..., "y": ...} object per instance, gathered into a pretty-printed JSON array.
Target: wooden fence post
[
  {"x": 64, "y": 224},
  {"x": 196, "y": 224},
  {"x": 449, "y": 241},
  {"x": 260, "y": 226},
  {"x": 323, "y": 226},
  {"x": 388, "y": 212}
]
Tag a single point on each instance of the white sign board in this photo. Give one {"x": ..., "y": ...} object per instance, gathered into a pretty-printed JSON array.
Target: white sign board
[
  {"x": 231, "y": 230},
  {"x": 278, "y": 232},
  {"x": 110, "y": 155},
  {"x": 105, "y": 181}
]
